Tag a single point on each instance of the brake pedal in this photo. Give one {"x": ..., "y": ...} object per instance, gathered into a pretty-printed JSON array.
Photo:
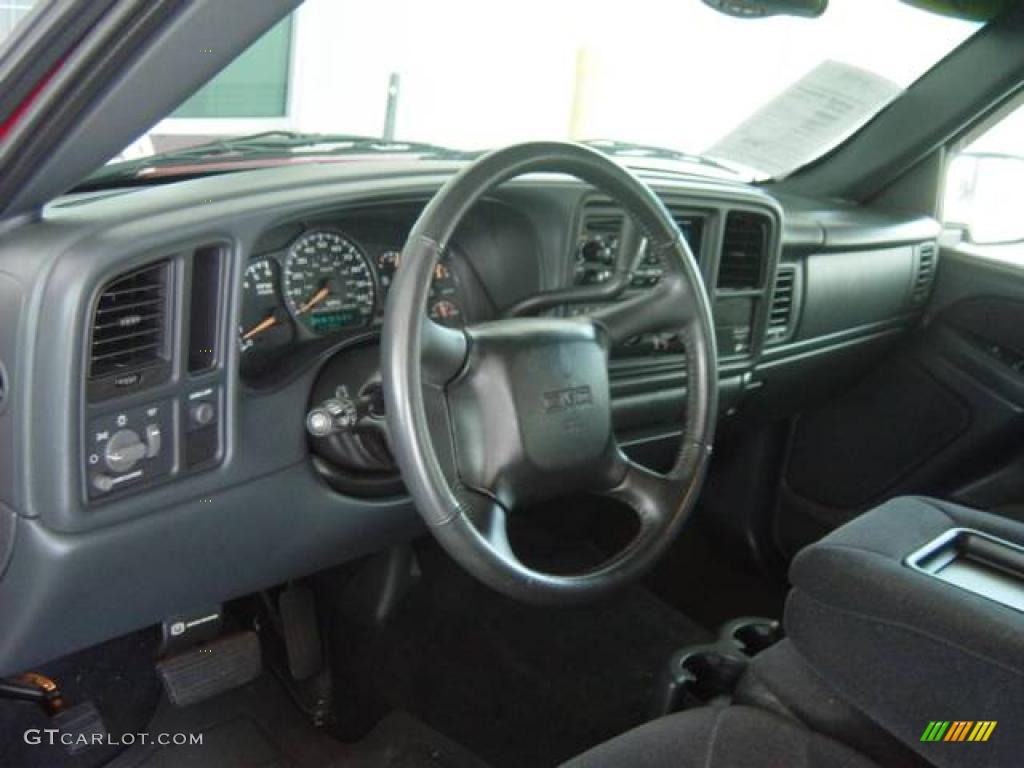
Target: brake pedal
[{"x": 211, "y": 668}]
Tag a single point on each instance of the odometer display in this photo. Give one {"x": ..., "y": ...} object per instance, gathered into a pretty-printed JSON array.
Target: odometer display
[{"x": 328, "y": 284}]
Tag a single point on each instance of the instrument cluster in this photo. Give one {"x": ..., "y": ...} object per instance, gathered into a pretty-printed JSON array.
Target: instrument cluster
[{"x": 323, "y": 284}]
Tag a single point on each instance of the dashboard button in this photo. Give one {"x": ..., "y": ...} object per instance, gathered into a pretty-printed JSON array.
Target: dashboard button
[
  {"x": 202, "y": 414},
  {"x": 153, "y": 440},
  {"x": 103, "y": 483}
]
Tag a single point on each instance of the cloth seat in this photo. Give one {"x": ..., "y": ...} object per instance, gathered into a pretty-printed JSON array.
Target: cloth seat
[{"x": 721, "y": 737}]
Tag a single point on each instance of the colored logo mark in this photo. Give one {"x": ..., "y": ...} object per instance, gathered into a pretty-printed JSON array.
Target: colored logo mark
[{"x": 958, "y": 730}]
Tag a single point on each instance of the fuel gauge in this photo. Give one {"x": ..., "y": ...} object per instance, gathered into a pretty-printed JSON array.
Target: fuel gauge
[
  {"x": 446, "y": 312},
  {"x": 443, "y": 302}
]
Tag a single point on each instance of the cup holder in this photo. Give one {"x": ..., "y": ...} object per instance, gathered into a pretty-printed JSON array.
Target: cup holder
[
  {"x": 751, "y": 635},
  {"x": 699, "y": 675}
]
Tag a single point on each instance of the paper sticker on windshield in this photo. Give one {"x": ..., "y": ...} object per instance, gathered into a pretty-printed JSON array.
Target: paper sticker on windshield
[{"x": 807, "y": 119}]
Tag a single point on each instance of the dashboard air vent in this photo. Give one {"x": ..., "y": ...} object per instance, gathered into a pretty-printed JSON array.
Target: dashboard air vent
[
  {"x": 927, "y": 261},
  {"x": 130, "y": 328},
  {"x": 780, "y": 317},
  {"x": 691, "y": 225},
  {"x": 744, "y": 252}
]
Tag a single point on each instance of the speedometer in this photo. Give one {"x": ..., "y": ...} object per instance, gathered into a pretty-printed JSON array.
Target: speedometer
[{"x": 328, "y": 284}]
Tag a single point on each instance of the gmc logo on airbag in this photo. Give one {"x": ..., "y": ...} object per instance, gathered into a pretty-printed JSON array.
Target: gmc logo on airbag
[{"x": 567, "y": 399}]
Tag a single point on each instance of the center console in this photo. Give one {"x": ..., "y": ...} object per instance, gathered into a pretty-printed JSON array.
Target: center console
[{"x": 914, "y": 613}]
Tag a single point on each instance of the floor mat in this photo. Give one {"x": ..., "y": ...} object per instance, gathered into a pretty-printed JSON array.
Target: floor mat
[
  {"x": 520, "y": 686},
  {"x": 258, "y": 726}
]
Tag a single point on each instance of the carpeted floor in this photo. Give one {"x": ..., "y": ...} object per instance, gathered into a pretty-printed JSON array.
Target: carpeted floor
[
  {"x": 520, "y": 686},
  {"x": 255, "y": 726},
  {"x": 258, "y": 726},
  {"x": 457, "y": 677},
  {"x": 117, "y": 677}
]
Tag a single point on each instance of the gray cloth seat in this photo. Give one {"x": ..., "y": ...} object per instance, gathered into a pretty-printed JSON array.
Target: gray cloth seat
[{"x": 721, "y": 737}]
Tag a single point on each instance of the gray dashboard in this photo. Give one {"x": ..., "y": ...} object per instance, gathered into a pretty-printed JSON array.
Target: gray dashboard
[{"x": 234, "y": 503}]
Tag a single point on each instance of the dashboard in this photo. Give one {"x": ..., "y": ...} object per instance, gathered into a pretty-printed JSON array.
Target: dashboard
[{"x": 162, "y": 349}]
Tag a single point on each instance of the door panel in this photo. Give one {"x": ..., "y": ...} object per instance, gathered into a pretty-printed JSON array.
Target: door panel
[{"x": 943, "y": 415}]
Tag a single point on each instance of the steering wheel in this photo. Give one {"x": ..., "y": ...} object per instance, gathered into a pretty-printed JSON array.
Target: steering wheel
[{"x": 486, "y": 419}]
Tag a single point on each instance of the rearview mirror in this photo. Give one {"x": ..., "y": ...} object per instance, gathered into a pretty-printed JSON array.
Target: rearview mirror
[
  {"x": 759, "y": 9},
  {"x": 983, "y": 197},
  {"x": 971, "y": 10}
]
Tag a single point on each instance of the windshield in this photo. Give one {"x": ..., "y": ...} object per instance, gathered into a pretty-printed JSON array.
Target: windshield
[{"x": 762, "y": 97}]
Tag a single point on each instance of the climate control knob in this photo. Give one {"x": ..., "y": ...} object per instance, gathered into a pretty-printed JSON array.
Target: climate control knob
[{"x": 124, "y": 450}]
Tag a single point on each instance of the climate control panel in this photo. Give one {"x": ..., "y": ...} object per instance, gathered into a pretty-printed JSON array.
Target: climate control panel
[
  {"x": 130, "y": 447},
  {"x": 135, "y": 447}
]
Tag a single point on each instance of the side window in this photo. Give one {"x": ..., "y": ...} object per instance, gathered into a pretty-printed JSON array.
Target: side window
[
  {"x": 984, "y": 194},
  {"x": 254, "y": 85},
  {"x": 11, "y": 12}
]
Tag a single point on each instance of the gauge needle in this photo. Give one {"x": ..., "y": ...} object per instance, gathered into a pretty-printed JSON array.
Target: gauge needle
[
  {"x": 315, "y": 299},
  {"x": 265, "y": 324}
]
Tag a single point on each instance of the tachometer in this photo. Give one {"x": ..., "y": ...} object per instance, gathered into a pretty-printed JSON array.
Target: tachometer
[
  {"x": 328, "y": 284},
  {"x": 265, "y": 322}
]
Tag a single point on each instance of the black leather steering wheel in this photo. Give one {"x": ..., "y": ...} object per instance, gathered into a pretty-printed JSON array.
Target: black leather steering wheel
[{"x": 514, "y": 411}]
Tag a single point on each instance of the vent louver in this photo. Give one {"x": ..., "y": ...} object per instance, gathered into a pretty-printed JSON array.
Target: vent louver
[
  {"x": 129, "y": 329},
  {"x": 744, "y": 252},
  {"x": 927, "y": 261},
  {"x": 780, "y": 317}
]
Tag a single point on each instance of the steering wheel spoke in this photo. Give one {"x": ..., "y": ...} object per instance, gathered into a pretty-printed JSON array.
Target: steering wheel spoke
[
  {"x": 669, "y": 307},
  {"x": 491, "y": 521},
  {"x": 444, "y": 352},
  {"x": 650, "y": 495}
]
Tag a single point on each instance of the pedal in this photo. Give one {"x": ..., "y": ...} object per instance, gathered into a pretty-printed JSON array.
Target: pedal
[
  {"x": 80, "y": 726},
  {"x": 301, "y": 630},
  {"x": 211, "y": 669}
]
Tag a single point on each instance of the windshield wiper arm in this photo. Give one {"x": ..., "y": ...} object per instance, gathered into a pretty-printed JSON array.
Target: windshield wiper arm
[{"x": 617, "y": 148}]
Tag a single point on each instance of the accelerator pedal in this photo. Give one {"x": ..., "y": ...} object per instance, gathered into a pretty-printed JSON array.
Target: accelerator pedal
[
  {"x": 211, "y": 668},
  {"x": 301, "y": 630}
]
